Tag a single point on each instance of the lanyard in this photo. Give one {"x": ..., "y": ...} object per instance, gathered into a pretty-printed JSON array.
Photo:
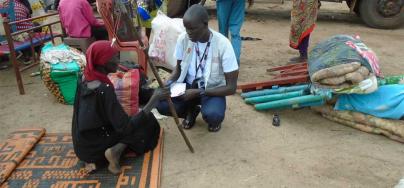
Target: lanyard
[{"x": 202, "y": 60}]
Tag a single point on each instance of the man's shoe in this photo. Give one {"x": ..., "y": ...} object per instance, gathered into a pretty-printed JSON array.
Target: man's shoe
[
  {"x": 189, "y": 121},
  {"x": 214, "y": 128}
]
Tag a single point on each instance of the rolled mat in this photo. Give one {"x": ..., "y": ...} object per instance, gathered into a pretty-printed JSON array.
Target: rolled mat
[
  {"x": 393, "y": 129},
  {"x": 15, "y": 148}
]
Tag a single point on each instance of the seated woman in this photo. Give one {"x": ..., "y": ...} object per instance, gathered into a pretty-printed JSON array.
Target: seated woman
[
  {"x": 79, "y": 21},
  {"x": 101, "y": 130}
]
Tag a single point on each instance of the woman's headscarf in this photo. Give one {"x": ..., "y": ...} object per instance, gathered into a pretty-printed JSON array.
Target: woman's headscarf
[{"x": 99, "y": 53}]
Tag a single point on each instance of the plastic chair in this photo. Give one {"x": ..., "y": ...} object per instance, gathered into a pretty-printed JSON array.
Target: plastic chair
[
  {"x": 35, "y": 39},
  {"x": 105, "y": 8}
]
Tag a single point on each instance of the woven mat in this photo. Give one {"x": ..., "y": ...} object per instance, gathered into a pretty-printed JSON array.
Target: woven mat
[{"x": 50, "y": 161}]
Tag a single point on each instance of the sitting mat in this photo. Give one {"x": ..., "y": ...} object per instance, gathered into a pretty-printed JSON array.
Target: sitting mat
[
  {"x": 15, "y": 148},
  {"x": 53, "y": 163}
]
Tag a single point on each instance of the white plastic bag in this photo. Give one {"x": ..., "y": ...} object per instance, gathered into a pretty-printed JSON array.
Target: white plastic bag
[{"x": 165, "y": 32}]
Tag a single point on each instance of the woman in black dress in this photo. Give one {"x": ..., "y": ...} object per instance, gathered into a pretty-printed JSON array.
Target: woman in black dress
[{"x": 101, "y": 130}]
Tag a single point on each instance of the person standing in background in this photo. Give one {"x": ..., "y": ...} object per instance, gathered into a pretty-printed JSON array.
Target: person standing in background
[
  {"x": 230, "y": 16},
  {"x": 147, "y": 10},
  {"x": 303, "y": 22}
]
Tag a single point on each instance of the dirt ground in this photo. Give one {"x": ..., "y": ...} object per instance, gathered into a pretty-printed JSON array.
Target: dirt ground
[{"x": 305, "y": 151}]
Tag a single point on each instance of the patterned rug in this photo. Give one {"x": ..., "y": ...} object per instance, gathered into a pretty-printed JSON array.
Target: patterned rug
[{"x": 31, "y": 158}]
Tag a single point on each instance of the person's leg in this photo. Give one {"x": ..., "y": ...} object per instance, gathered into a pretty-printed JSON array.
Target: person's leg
[
  {"x": 113, "y": 154},
  {"x": 223, "y": 13},
  {"x": 303, "y": 47},
  {"x": 179, "y": 104},
  {"x": 213, "y": 111},
  {"x": 99, "y": 33},
  {"x": 303, "y": 51},
  {"x": 192, "y": 111},
  {"x": 148, "y": 33},
  {"x": 236, "y": 20}
]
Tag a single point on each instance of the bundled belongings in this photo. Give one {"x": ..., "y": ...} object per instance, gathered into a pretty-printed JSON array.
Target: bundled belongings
[
  {"x": 385, "y": 102},
  {"x": 344, "y": 64},
  {"x": 60, "y": 68},
  {"x": 393, "y": 129},
  {"x": 126, "y": 84}
]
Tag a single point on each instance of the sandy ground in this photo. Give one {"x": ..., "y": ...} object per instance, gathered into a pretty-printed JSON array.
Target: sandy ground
[{"x": 305, "y": 151}]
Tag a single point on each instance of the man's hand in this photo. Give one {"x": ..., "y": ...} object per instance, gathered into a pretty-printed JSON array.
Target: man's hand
[
  {"x": 250, "y": 3},
  {"x": 190, "y": 94}
]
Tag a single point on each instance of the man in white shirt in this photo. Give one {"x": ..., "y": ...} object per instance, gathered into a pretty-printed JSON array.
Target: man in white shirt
[{"x": 207, "y": 64}]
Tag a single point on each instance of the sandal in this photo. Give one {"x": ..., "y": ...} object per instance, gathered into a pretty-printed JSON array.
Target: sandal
[
  {"x": 250, "y": 38},
  {"x": 189, "y": 121},
  {"x": 214, "y": 128}
]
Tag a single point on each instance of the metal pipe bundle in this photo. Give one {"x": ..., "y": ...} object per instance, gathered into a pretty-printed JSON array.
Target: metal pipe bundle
[
  {"x": 274, "y": 91},
  {"x": 285, "y": 97},
  {"x": 274, "y": 97},
  {"x": 296, "y": 102}
]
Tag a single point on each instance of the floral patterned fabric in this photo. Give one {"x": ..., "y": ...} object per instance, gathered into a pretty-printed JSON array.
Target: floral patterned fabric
[{"x": 303, "y": 19}]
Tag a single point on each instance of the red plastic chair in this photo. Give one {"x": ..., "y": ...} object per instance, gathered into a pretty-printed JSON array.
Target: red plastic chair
[{"x": 105, "y": 8}]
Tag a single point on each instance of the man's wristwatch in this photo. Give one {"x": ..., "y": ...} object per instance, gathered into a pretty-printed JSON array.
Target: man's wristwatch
[{"x": 201, "y": 92}]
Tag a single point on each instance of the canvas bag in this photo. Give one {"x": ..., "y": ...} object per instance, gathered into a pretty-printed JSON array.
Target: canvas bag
[{"x": 126, "y": 85}]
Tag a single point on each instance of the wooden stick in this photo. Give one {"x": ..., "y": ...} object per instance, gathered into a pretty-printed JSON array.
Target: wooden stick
[
  {"x": 171, "y": 106},
  {"x": 169, "y": 101}
]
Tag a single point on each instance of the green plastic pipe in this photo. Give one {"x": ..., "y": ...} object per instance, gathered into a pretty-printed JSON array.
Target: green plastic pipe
[
  {"x": 388, "y": 80},
  {"x": 290, "y": 103},
  {"x": 273, "y": 91},
  {"x": 274, "y": 97}
]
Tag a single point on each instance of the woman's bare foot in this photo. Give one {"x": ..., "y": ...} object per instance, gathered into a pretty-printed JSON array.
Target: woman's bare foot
[{"x": 113, "y": 160}]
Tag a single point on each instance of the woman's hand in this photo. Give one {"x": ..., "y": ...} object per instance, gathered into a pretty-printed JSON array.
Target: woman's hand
[{"x": 161, "y": 93}]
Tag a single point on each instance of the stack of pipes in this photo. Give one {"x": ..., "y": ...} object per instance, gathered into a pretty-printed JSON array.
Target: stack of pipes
[{"x": 285, "y": 97}]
